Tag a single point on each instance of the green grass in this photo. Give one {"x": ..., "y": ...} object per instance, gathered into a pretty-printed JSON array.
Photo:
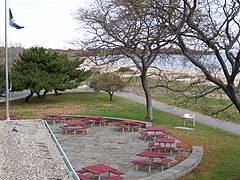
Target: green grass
[
  {"x": 135, "y": 81},
  {"x": 221, "y": 149}
]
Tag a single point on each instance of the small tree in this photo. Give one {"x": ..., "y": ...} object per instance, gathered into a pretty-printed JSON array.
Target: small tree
[{"x": 108, "y": 82}]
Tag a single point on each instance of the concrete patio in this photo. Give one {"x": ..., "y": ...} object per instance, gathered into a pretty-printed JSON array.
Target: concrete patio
[{"x": 104, "y": 145}]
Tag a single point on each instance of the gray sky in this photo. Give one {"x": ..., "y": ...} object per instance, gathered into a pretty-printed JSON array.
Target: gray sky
[{"x": 48, "y": 23}]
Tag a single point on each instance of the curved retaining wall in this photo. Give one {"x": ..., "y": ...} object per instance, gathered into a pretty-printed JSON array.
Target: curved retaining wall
[{"x": 182, "y": 168}]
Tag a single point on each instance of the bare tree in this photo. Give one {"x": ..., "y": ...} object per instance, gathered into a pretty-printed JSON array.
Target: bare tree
[
  {"x": 210, "y": 26},
  {"x": 125, "y": 29}
]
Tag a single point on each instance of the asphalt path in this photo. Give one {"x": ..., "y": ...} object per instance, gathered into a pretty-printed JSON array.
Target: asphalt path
[{"x": 200, "y": 118}]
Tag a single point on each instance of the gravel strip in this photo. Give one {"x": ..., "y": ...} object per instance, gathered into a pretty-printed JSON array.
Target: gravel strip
[{"x": 28, "y": 152}]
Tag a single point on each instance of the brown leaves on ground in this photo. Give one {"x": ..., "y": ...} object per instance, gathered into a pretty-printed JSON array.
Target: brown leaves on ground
[{"x": 41, "y": 112}]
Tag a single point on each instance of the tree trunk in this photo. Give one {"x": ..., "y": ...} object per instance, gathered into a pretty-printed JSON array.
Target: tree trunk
[
  {"x": 110, "y": 95},
  {"x": 56, "y": 92},
  {"x": 233, "y": 96},
  {"x": 44, "y": 94},
  {"x": 147, "y": 94},
  {"x": 28, "y": 97}
]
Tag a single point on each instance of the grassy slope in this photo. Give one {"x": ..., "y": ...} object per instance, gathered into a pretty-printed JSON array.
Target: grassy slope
[{"x": 222, "y": 149}]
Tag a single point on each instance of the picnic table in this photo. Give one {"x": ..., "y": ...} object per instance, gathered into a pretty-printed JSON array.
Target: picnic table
[
  {"x": 75, "y": 126},
  {"x": 99, "y": 169},
  {"x": 75, "y": 123},
  {"x": 131, "y": 124},
  {"x": 96, "y": 119},
  {"x": 151, "y": 155},
  {"x": 54, "y": 117},
  {"x": 12, "y": 116},
  {"x": 165, "y": 141},
  {"x": 154, "y": 129}
]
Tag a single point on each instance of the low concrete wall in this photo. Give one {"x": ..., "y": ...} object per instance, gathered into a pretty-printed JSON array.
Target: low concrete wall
[
  {"x": 182, "y": 168},
  {"x": 146, "y": 124}
]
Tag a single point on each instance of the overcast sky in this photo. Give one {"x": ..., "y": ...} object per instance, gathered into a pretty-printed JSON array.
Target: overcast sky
[{"x": 48, "y": 23}]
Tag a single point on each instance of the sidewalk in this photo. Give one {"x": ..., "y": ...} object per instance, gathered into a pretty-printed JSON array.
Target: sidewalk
[{"x": 200, "y": 118}]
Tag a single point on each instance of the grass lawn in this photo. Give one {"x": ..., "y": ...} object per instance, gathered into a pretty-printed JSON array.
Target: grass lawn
[{"x": 222, "y": 149}]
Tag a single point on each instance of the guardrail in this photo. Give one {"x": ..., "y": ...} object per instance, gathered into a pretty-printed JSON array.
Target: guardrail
[{"x": 63, "y": 155}]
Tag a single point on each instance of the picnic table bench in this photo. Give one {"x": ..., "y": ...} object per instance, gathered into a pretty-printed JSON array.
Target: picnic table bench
[
  {"x": 144, "y": 134},
  {"x": 166, "y": 132},
  {"x": 81, "y": 171},
  {"x": 162, "y": 135},
  {"x": 99, "y": 169},
  {"x": 164, "y": 162},
  {"x": 165, "y": 148},
  {"x": 136, "y": 126},
  {"x": 179, "y": 146},
  {"x": 66, "y": 128},
  {"x": 150, "y": 164},
  {"x": 121, "y": 126},
  {"x": 143, "y": 163},
  {"x": 118, "y": 172},
  {"x": 151, "y": 145},
  {"x": 82, "y": 177},
  {"x": 113, "y": 178}
]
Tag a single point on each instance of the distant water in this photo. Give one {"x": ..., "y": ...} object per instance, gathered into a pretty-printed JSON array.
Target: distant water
[{"x": 179, "y": 62}]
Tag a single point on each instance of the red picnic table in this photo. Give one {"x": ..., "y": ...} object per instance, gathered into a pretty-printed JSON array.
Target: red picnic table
[
  {"x": 75, "y": 126},
  {"x": 131, "y": 124},
  {"x": 12, "y": 116},
  {"x": 54, "y": 117},
  {"x": 151, "y": 155},
  {"x": 165, "y": 141},
  {"x": 75, "y": 123},
  {"x": 96, "y": 119},
  {"x": 154, "y": 129},
  {"x": 99, "y": 169}
]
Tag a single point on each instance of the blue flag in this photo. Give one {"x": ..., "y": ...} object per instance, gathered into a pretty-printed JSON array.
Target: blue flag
[{"x": 12, "y": 22}]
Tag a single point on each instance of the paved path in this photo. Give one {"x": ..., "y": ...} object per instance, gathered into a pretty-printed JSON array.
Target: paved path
[{"x": 200, "y": 118}]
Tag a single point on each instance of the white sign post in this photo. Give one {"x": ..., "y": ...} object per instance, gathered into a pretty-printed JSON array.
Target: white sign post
[{"x": 190, "y": 117}]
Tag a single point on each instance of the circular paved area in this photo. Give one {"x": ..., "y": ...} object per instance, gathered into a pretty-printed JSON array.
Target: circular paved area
[{"x": 106, "y": 146}]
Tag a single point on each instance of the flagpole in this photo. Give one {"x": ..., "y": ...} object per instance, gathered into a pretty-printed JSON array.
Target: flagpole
[{"x": 6, "y": 64}]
